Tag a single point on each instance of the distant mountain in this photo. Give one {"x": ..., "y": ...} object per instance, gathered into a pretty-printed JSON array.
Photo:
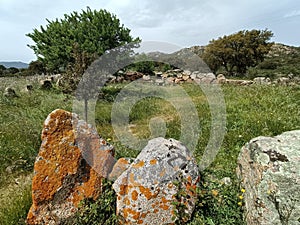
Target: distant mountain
[{"x": 18, "y": 65}]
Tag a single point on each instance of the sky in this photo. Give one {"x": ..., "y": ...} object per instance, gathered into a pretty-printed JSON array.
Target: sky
[{"x": 183, "y": 23}]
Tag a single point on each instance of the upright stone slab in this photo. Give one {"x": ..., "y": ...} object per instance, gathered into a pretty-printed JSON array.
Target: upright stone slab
[
  {"x": 147, "y": 190},
  {"x": 62, "y": 177},
  {"x": 270, "y": 172}
]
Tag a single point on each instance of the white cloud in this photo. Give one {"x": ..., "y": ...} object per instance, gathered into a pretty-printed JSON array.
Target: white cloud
[{"x": 292, "y": 14}]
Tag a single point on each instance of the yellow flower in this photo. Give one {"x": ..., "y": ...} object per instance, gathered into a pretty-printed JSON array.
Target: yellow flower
[
  {"x": 240, "y": 203},
  {"x": 243, "y": 190},
  {"x": 108, "y": 139},
  {"x": 241, "y": 197},
  {"x": 214, "y": 192}
]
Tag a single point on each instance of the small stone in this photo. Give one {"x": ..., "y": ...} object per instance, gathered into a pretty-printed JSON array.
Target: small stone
[{"x": 10, "y": 93}]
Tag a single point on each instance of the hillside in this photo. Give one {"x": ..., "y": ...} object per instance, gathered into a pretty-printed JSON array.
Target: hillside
[
  {"x": 282, "y": 60},
  {"x": 19, "y": 65}
]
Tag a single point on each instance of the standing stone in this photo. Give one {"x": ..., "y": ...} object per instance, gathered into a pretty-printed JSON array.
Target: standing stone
[
  {"x": 62, "y": 177},
  {"x": 270, "y": 172},
  {"x": 147, "y": 190}
]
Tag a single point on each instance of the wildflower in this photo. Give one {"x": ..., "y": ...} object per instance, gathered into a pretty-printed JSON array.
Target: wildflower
[
  {"x": 241, "y": 197},
  {"x": 214, "y": 192},
  {"x": 240, "y": 203},
  {"x": 108, "y": 139},
  {"x": 243, "y": 190}
]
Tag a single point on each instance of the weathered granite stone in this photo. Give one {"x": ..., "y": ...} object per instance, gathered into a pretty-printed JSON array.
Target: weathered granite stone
[
  {"x": 62, "y": 177},
  {"x": 270, "y": 172},
  {"x": 121, "y": 166},
  {"x": 146, "y": 191}
]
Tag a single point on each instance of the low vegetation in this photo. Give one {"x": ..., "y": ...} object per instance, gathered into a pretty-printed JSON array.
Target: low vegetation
[{"x": 251, "y": 111}]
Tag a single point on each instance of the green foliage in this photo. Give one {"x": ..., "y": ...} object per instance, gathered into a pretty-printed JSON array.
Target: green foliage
[
  {"x": 218, "y": 203},
  {"x": 237, "y": 52},
  {"x": 282, "y": 60},
  {"x": 101, "y": 211},
  {"x": 94, "y": 32},
  {"x": 36, "y": 67},
  {"x": 143, "y": 65}
]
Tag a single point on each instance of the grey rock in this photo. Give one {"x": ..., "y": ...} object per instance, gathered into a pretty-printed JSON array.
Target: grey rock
[
  {"x": 46, "y": 84},
  {"x": 269, "y": 168},
  {"x": 262, "y": 80},
  {"x": 147, "y": 189},
  {"x": 9, "y": 92}
]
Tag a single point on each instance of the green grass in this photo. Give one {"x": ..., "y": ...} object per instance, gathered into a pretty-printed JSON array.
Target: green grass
[{"x": 251, "y": 111}]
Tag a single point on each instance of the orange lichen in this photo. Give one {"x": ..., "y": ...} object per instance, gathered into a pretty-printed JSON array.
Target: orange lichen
[
  {"x": 153, "y": 161},
  {"x": 123, "y": 189},
  {"x": 126, "y": 201},
  {"x": 146, "y": 192},
  {"x": 138, "y": 165},
  {"x": 59, "y": 158},
  {"x": 134, "y": 195},
  {"x": 164, "y": 207}
]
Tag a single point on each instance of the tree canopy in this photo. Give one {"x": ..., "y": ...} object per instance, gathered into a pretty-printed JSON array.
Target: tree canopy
[
  {"x": 89, "y": 32},
  {"x": 237, "y": 52}
]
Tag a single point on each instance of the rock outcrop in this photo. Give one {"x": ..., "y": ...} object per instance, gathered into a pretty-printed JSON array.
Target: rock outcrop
[
  {"x": 62, "y": 176},
  {"x": 147, "y": 190},
  {"x": 270, "y": 172}
]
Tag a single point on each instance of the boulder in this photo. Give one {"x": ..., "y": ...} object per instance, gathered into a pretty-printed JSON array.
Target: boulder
[
  {"x": 10, "y": 93},
  {"x": 269, "y": 168},
  {"x": 148, "y": 189},
  {"x": 62, "y": 176}
]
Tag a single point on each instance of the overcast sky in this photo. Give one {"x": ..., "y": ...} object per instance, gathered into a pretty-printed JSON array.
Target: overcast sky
[{"x": 181, "y": 22}]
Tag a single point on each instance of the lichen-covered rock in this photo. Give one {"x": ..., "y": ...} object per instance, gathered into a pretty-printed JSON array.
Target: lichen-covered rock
[
  {"x": 147, "y": 190},
  {"x": 270, "y": 172},
  {"x": 62, "y": 177},
  {"x": 121, "y": 166}
]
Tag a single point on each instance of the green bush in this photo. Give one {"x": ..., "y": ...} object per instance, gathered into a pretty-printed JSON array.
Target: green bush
[{"x": 101, "y": 211}]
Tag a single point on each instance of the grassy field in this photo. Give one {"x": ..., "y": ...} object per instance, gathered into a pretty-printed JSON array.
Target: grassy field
[{"x": 251, "y": 111}]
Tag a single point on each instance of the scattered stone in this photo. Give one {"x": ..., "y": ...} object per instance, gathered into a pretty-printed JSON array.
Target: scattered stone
[
  {"x": 283, "y": 81},
  {"x": 269, "y": 168},
  {"x": 62, "y": 177},
  {"x": 221, "y": 79},
  {"x": 131, "y": 76},
  {"x": 10, "y": 93},
  {"x": 29, "y": 87},
  {"x": 262, "y": 80},
  {"x": 147, "y": 190},
  {"x": 146, "y": 77},
  {"x": 46, "y": 84}
]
